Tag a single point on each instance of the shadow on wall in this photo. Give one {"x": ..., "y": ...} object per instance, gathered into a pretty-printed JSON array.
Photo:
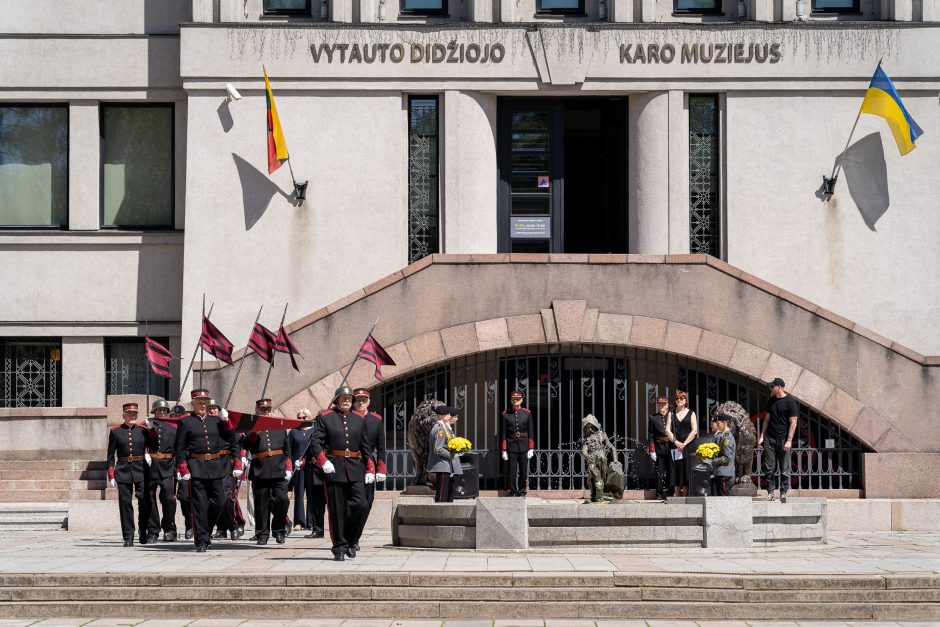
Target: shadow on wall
[
  {"x": 225, "y": 116},
  {"x": 257, "y": 191},
  {"x": 866, "y": 177}
]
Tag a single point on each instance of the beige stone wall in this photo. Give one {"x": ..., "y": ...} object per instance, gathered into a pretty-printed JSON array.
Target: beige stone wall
[{"x": 53, "y": 433}]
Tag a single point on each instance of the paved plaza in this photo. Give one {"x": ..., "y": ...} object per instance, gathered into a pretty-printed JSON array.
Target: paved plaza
[{"x": 140, "y": 622}]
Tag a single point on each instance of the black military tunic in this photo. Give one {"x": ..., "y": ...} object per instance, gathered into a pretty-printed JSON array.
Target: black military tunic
[
  {"x": 128, "y": 444},
  {"x": 270, "y": 460},
  {"x": 375, "y": 435},
  {"x": 518, "y": 437},
  {"x": 307, "y": 483},
  {"x": 203, "y": 449},
  {"x": 161, "y": 438},
  {"x": 658, "y": 442},
  {"x": 339, "y": 438}
]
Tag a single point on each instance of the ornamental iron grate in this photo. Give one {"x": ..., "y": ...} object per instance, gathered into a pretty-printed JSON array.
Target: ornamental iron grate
[
  {"x": 423, "y": 166},
  {"x": 30, "y": 372},
  {"x": 127, "y": 369},
  {"x": 704, "y": 137}
]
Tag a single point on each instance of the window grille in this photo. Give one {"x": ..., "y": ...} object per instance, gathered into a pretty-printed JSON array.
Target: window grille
[
  {"x": 423, "y": 183},
  {"x": 30, "y": 372},
  {"x": 704, "y": 175},
  {"x": 127, "y": 368}
]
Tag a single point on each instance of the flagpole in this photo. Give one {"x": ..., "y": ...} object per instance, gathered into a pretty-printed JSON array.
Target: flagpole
[
  {"x": 242, "y": 363},
  {"x": 348, "y": 372},
  {"x": 191, "y": 362},
  {"x": 300, "y": 189},
  {"x": 147, "y": 371},
  {"x": 202, "y": 351},
  {"x": 274, "y": 356}
]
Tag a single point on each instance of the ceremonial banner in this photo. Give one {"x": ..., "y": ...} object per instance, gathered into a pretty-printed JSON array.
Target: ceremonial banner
[
  {"x": 373, "y": 352},
  {"x": 263, "y": 342},
  {"x": 159, "y": 357},
  {"x": 285, "y": 345},
  {"x": 215, "y": 342},
  {"x": 251, "y": 423}
]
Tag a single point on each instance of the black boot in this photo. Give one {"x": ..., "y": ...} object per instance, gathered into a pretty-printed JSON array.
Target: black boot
[
  {"x": 262, "y": 539},
  {"x": 221, "y": 534},
  {"x": 169, "y": 536},
  {"x": 316, "y": 533},
  {"x": 189, "y": 533},
  {"x": 129, "y": 542},
  {"x": 279, "y": 538}
]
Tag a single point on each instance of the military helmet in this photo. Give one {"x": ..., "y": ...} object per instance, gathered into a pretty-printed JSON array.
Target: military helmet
[
  {"x": 160, "y": 404},
  {"x": 178, "y": 409},
  {"x": 343, "y": 390},
  {"x": 214, "y": 403}
]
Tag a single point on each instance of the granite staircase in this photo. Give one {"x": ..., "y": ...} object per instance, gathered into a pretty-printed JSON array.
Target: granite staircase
[
  {"x": 53, "y": 481},
  {"x": 473, "y": 595}
]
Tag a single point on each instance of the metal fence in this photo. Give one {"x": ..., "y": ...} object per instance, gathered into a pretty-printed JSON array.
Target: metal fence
[
  {"x": 619, "y": 385},
  {"x": 30, "y": 372}
]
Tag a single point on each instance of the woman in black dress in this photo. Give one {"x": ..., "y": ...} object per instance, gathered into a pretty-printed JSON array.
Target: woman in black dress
[{"x": 682, "y": 429}]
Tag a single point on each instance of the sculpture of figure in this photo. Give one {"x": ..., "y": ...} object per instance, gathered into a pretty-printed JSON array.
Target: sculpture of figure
[
  {"x": 604, "y": 476},
  {"x": 745, "y": 437},
  {"x": 419, "y": 431}
]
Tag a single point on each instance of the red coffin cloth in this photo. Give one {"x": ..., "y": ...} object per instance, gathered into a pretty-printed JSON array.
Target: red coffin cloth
[{"x": 251, "y": 423}]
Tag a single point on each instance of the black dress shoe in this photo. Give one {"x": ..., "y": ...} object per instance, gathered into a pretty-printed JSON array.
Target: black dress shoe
[
  {"x": 241, "y": 532},
  {"x": 287, "y": 531},
  {"x": 143, "y": 540},
  {"x": 351, "y": 553},
  {"x": 152, "y": 538},
  {"x": 221, "y": 534},
  {"x": 263, "y": 540},
  {"x": 233, "y": 534},
  {"x": 339, "y": 557},
  {"x": 169, "y": 536},
  {"x": 355, "y": 547},
  {"x": 128, "y": 543},
  {"x": 314, "y": 534},
  {"x": 200, "y": 548},
  {"x": 279, "y": 538},
  {"x": 189, "y": 534}
]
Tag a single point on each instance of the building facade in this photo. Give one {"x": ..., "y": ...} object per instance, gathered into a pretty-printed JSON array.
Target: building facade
[{"x": 576, "y": 136}]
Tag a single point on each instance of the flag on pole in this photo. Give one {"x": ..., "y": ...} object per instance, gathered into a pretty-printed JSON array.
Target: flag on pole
[
  {"x": 263, "y": 342},
  {"x": 159, "y": 357},
  {"x": 277, "y": 147},
  {"x": 285, "y": 345},
  {"x": 373, "y": 352},
  {"x": 215, "y": 342},
  {"x": 882, "y": 99}
]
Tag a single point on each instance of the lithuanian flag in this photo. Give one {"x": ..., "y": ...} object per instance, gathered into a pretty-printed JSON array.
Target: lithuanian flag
[
  {"x": 277, "y": 147},
  {"x": 883, "y": 100}
]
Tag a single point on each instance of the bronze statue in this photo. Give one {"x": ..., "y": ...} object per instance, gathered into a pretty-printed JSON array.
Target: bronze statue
[
  {"x": 605, "y": 477},
  {"x": 419, "y": 431}
]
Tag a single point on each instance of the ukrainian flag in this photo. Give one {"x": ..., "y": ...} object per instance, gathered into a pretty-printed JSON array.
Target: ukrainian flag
[{"x": 883, "y": 100}]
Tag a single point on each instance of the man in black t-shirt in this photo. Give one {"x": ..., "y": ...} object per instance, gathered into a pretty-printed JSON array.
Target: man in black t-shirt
[{"x": 778, "y": 431}]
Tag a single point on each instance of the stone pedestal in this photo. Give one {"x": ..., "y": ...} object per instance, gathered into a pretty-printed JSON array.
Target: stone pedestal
[
  {"x": 728, "y": 522},
  {"x": 502, "y": 523}
]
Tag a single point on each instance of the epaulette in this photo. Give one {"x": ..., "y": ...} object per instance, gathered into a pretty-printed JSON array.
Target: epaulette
[
  {"x": 379, "y": 416},
  {"x": 115, "y": 427},
  {"x": 324, "y": 412},
  {"x": 505, "y": 411}
]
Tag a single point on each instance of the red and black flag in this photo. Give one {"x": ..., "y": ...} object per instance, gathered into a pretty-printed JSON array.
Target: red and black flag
[
  {"x": 373, "y": 352},
  {"x": 263, "y": 342},
  {"x": 159, "y": 357},
  {"x": 252, "y": 423},
  {"x": 213, "y": 341},
  {"x": 285, "y": 345}
]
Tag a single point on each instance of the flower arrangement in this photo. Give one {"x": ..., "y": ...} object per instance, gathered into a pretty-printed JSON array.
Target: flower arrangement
[
  {"x": 459, "y": 445},
  {"x": 707, "y": 451}
]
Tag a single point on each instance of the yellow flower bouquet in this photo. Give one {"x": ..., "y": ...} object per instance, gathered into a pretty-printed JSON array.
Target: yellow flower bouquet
[
  {"x": 707, "y": 451},
  {"x": 459, "y": 445}
]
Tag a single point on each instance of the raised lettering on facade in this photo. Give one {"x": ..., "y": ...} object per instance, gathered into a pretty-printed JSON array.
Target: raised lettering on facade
[{"x": 700, "y": 53}]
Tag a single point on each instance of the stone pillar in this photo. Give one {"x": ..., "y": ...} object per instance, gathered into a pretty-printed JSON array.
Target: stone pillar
[
  {"x": 502, "y": 523},
  {"x": 83, "y": 377},
  {"x": 648, "y": 165},
  {"x": 202, "y": 11},
  {"x": 786, "y": 10},
  {"x": 368, "y": 11},
  {"x": 930, "y": 11},
  {"x": 481, "y": 11},
  {"x": 620, "y": 10},
  {"x": 506, "y": 11},
  {"x": 901, "y": 10},
  {"x": 84, "y": 164},
  {"x": 341, "y": 11},
  {"x": 647, "y": 11},
  {"x": 729, "y": 522},
  {"x": 679, "y": 218}
]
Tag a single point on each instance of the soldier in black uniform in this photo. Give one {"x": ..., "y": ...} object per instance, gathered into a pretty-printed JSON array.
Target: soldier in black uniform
[
  {"x": 518, "y": 443},
  {"x": 160, "y": 440},
  {"x": 230, "y": 519},
  {"x": 271, "y": 468},
  {"x": 340, "y": 446},
  {"x": 307, "y": 480},
  {"x": 129, "y": 474},
  {"x": 375, "y": 434},
  {"x": 182, "y": 487},
  {"x": 658, "y": 446},
  {"x": 203, "y": 446}
]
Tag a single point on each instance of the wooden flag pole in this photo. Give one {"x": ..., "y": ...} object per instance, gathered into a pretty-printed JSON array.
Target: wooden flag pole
[
  {"x": 274, "y": 356},
  {"x": 202, "y": 351},
  {"x": 147, "y": 371},
  {"x": 348, "y": 372},
  {"x": 191, "y": 362},
  {"x": 242, "y": 363}
]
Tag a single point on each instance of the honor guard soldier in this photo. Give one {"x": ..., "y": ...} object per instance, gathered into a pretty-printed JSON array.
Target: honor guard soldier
[
  {"x": 231, "y": 519},
  {"x": 129, "y": 473},
  {"x": 271, "y": 468},
  {"x": 204, "y": 444},
  {"x": 161, "y": 438},
  {"x": 375, "y": 434},
  {"x": 307, "y": 480},
  {"x": 518, "y": 443},
  {"x": 182, "y": 487},
  {"x": 340, "y": 446},
  {"x": 658, "y": 446}
]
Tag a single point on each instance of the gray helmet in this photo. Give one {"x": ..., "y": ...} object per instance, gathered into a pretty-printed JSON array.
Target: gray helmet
[
  {"x": 160, "y": 404},
  {"x": 178, "y": 409},
  {"x": 343, "y": 390},
  {"x": 214, "y": 403}
]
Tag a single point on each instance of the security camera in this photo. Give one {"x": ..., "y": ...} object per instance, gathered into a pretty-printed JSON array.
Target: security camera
[{"x": 233, "y": 94}]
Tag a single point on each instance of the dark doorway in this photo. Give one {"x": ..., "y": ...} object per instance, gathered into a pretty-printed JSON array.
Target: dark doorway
[{"x": 562, "y": 175}]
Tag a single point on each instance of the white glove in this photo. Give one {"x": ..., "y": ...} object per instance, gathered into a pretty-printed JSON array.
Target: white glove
[
  {"x": 505, "y": 456},
  {"x": 223, "y": 414},
  {"x": 186, "y": 477},
  {"x": 147, "y": 459},
  {"x": 653, "y": 456},
  {"x": 288, "y": 474},
  {"x": 370, "y": 477},
  {"x": 328, "y": 468},
  {"x": 379, "y": 477},
  {"x": 299, "y": 464},
  {"x": 178, "y": 478},
  {"x": 237, "y": 473},
  {"x": 244, "y": 462},
  {"x": 113, "y": 483},
  {"x": 146, "y": 423},
  {"x": 530, "y": 454}
]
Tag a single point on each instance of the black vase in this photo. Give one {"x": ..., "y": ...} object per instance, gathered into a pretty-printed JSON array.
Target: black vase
[{"x": 700, "y": 484}]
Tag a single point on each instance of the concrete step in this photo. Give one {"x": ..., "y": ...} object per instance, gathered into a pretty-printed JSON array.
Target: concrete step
[
  {"x": 62, "y": 464},
  {"x": 29, "y": 474},
  {"x": 33, "y": 516},
  {"x": 35, "y": 484}
]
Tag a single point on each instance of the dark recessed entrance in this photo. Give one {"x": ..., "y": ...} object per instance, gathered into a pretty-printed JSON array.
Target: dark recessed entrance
[{"x": 562, "y": 175}]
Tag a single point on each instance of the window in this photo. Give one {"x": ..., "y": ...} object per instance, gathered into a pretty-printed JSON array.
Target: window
[
  {"x": 34, "y": 166},
  {"x": 836, "y": 6},
  {"x": 704, "y": 174},
  {"x": 30, "y": 372},
  {"x": 424, "y": 7},
  {"x": 287, "y": 7},
  {"x": 697, "y": 6},
  {"x": 137, "y": 166},
  {"x": 127, "y": 369},
  {"x": 571, "y": 7},
  {"x": 423, "y": 165}
]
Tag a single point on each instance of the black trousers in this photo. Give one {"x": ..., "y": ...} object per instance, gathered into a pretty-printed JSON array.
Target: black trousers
[
  {"x": 776, "y": 462},
  {"x": 370, "y": 498},
  {"x": 126, "y": 492},
  {"x": 167, "y": 488},
  {"x": 227, "y": 517},
  {"x": 182, "y": 496},
  {"x": 444, "y": 492},
  {"x": 663, "y": 468},
  {"x": 721, "y": 486},
  {"x": 518, "y": 473},
  {"x": 206, "y": 497},
  {"x": 346, "y": 507},
  {"x": 271, "y": 500},
  {"x": 309, "y": 499}
]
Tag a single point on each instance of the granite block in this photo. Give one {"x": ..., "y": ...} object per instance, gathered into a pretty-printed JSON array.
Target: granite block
[
  {"x": 682, "y": 339},
  {"x": 501, "y": 524},
  {"x": 589, "y": 325},
  {"x": 569, "y": 315},
  {"x": 548, "y": 325},
  {"x": 648, "y": 332},
  {"x": 426, "y": 348},
  {"x": 492, "y": 334},
  {"x": 842, "y": 407},
  {"x": 715, "y": 348},
  {"x": 859, "y": 515},
  {"x": 901, "y": 475},
  {"x": 613, "y": 328},
  {"x": 868, "y": 426},
  {"x": 778, "y": 366},
  {"x": 728, "y": 522},
  {"x": 525, "y": 329},
  {"x": 812, "y": 389},
  {"x": 460, "y": 340},
  {"x": 748, "y": 359}
]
